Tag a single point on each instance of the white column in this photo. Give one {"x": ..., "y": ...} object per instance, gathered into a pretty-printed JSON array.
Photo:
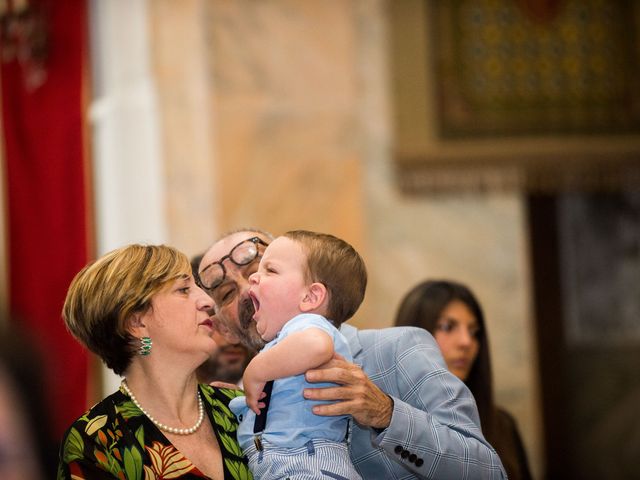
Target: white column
[{"x": 127, "y": 156}]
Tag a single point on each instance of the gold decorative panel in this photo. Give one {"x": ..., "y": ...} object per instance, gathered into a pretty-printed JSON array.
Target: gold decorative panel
[
  {"x": 501, "y": 73},
  {"x": 489, "y": 96}
]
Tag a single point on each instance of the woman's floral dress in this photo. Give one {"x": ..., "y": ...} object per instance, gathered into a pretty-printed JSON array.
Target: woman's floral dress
[{"x": 116, "y": 440}]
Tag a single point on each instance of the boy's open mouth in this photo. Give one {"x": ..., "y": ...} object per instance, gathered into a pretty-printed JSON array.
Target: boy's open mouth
[{"x": 256, "y": 303}]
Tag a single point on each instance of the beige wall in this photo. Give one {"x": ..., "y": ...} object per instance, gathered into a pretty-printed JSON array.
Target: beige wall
[
  {"x": 276, "y": 114},
  {"x": 180, "y": 58}
]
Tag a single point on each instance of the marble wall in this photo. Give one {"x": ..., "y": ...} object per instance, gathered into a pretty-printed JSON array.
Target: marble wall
[{"x": 277, "y": 114}]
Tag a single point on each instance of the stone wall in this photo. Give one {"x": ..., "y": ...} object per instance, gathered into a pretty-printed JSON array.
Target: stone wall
[{"x": 277, "y": 114}]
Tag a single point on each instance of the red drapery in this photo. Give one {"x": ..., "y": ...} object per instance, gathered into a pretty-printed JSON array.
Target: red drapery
[{"x": 46, "y": 186}]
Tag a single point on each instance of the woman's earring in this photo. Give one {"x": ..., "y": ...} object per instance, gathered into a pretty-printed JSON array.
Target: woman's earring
[{"x": 145, "y": 346}]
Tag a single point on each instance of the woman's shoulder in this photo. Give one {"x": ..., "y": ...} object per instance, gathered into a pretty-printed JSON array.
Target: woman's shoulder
[
  {"x": 100, "y": 413},
  {"x": 506, "y": 426},
  {"x": 504, "y": 418},
  {"x": 510, "y": 446},
  {"x": 95, "y": 428}
]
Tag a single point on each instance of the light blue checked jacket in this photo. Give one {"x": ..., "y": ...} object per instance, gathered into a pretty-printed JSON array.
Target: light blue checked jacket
[{"x": 434, "y": 430}]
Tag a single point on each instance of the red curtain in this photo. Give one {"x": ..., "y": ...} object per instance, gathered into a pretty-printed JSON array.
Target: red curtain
[{"x": 46, "y": 184}]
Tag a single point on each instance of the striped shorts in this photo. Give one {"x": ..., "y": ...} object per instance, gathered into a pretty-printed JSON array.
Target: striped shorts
[{"x": 316, "y": 460}]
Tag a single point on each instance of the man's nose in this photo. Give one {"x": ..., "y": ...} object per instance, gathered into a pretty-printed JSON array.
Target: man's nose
[{"x": 238, "y": 277}]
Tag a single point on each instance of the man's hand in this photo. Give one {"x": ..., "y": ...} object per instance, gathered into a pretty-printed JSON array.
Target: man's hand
[{"x": 356, "y": 396}]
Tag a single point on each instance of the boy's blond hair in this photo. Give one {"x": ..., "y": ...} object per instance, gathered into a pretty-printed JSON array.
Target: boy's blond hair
[{"x": 336, "y": 264}]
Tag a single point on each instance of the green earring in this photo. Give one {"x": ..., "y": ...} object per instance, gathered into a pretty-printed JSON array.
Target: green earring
[{"x": 145, "y": 346}]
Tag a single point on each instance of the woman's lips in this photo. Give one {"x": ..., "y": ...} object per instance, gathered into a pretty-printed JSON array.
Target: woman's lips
[
  {"x": 460, "y": 363},
  {"x": 207, "y": 323}
]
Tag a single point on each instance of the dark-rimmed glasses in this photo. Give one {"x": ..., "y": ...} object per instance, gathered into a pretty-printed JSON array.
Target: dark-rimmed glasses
[{"x": 242, "y": 254}]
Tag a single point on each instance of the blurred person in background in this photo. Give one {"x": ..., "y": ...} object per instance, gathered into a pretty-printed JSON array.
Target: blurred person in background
[
  {"x": 27, "y": 451},
  {"x": 226, "y": 364},
  {"x": 451, "y": 313}
]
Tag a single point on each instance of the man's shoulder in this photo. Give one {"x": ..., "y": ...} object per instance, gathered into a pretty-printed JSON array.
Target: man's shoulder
[
  {"x": 383, "y": 352},
  {"x": 388, "y": 344},
  {"x": 388, "y": 334}
]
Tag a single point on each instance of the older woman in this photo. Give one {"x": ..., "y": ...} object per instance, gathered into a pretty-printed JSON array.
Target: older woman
[{"x": 140, "y": 311}]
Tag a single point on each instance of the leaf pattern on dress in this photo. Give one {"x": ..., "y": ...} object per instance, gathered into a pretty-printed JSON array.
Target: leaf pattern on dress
[
  {"x": 95, "y": 424},
  {"x": 222, "y": 420},
  {"x": 132, "y": 463},
  {"x": 223, "y": 407},
  {"x": 115, "y": 437},
  {"x": 167, "y": 462},
  {"x": 107, "y": 461},
  {"x": 230, "y": 443},
  {"x": 238, "y": 469},
  {"x": 149, "y": 474},
  {"x": 231, "y": 393},
  {"x": 73, "y": 446},
  {"x": 140, "y": 435},
  {"x": 128, "y": 410}
]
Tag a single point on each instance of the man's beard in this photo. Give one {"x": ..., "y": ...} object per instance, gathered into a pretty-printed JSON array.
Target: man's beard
[
  {"x": 246, "y": 330},
  {"x": 231, "y": 373},
  {"x": 213, "y": 370}
]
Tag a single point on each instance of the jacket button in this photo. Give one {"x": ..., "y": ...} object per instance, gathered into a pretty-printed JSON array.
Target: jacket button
[
  {"x": 419, "y": 462},
  {"x": 412, "y": 458},
  {"x": 404, "y": 454},
  {"x": 398, "y": 449}
]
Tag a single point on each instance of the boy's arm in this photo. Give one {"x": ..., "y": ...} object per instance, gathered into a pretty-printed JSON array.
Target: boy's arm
[{"x": 297, "y": 353}]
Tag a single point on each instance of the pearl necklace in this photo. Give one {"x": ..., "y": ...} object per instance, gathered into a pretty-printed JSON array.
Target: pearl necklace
[{"x": 162, "y": 426}]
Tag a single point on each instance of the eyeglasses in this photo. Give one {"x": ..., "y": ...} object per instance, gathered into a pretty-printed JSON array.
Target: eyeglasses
[{"x": 242, "y": 254}]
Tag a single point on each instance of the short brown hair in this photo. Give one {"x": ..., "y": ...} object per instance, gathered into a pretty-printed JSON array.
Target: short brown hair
[
  {"x": 105, "y": 293},
  {"x": 336, "y": 264}
]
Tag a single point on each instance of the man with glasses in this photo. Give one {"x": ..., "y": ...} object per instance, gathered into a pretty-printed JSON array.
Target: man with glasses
[
  {"x": 224, "y": 272},
  {"x": 228, "y": 362},
  {"x": 411, "y": 416}
]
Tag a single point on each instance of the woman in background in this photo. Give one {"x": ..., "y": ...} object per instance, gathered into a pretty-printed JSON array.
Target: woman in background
[{"x": 451, "y": 313}]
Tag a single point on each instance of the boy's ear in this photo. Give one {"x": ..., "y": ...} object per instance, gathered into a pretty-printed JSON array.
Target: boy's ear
[{"x": 314, "y": 298}]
